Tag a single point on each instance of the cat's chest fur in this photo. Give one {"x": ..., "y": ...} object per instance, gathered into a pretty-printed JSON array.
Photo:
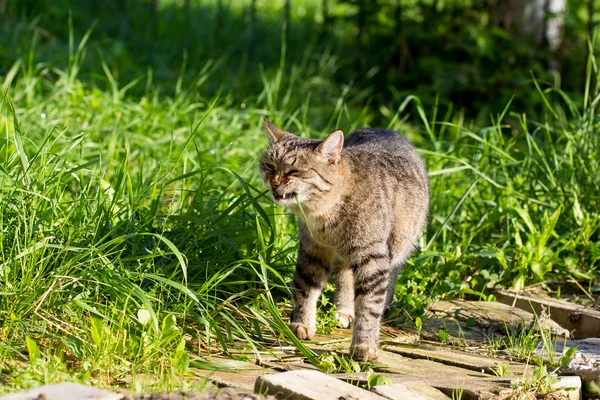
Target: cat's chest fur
[{"x": 327, "y": 233}]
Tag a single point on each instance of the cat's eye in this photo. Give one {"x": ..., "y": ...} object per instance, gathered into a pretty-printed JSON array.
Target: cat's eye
[
  {"x": 269, "y": 166},
  {"x": 293, "y": 172}
]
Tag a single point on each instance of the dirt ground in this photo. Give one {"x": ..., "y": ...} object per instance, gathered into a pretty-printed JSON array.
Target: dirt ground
[{"x": 225, "y": 395}]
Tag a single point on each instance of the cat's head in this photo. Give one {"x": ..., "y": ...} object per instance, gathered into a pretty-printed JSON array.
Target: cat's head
[{"x": 301, "y": 170}]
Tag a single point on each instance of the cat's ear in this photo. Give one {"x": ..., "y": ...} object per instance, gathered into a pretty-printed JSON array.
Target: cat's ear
[
  {"x": 331, "y": 148},
  {"x": 275, "y": 134}
]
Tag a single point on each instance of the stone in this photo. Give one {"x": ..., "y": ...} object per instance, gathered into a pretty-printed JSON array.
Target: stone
[
  {"x": 409, "y": 391},
  {"x": 64, "y": 391},
  {"x": 310, "y": 385},
  {"x": 583, "y": 322}
]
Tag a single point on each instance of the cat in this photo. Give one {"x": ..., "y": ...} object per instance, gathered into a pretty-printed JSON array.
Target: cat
[{"x": 363, "y": 207}]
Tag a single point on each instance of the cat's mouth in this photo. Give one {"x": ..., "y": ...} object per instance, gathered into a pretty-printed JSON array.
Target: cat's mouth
[{"x": 285, "y": 196}]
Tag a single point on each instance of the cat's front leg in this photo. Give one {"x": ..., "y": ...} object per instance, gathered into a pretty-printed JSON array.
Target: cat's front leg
[
  {"x": 371, "y": 274},
  {"x": 309, "y": 279},
  {"x": 344, "y": 296}
]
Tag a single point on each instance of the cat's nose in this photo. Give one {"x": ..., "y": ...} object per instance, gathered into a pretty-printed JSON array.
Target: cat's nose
[{"x": 276, "y": 181}]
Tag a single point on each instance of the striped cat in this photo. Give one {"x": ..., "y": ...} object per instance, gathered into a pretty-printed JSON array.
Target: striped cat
[{"x": 366, "y": 204}]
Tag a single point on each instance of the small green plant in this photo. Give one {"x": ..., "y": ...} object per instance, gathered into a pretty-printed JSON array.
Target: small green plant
[
  {"x": 326, "y": 320},
  {"x": 419, "y": 325},
  {"x": 42, "y": 368},
  {"x": 494, "y": 344},
  {"x": 457, "y": 394},
  {"x": 522, "y": 343},
  {"x": 377, "y": 380},
  {"x": 444, "y": 337},
  {"x": 548, "y": 346},
  {"x": 332, "y": 362},
  {"x": 540, "y": 383},
  {"x": 501, "y": 369}
]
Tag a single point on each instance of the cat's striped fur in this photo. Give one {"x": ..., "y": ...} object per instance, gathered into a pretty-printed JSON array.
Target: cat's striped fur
[{"x": 366, "y": 203}]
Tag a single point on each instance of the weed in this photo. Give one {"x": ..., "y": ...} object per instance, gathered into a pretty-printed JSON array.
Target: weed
[
  {"x": 377, "y": 380},
  {"x": 522, "y": 343},
  {"x": 332, "y": 362},
  {"x": 326, "y": 320},
  {"x": 457, "y": 394},
  {"x": 494, "y": 344},
  {"x": 540, "y": 383},
  {"x": 444, "y": 337},
  {"x": 501, "y": 369},
  {"x": 419, "y": 325}
]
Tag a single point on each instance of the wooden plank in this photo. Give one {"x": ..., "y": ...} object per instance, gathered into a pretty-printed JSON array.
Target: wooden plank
[
  {"x": 495, "y": 316},
  {"x": 567, "y": 388},
  {"x": 459, "y": 359},
  {"x": 240, "y": 380},
  {"x": 584, "y": 322},
  {"x": 64, "y": 391},
  {"x": 310, "y": 385},
  {"x": 409, "y": 391},
  {"x": 450, "y": 380}
]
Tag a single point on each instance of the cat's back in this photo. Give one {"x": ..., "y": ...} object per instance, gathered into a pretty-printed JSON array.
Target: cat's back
[
  {"x": 374, "y": 139},
  {"x": 387, "y": 188},
  {"x": 370, "y": 148}
]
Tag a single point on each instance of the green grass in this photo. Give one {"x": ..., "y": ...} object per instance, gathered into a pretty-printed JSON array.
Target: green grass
[
  {"x": 119, "y": 215},
  {"x": 137, "y": 239}
]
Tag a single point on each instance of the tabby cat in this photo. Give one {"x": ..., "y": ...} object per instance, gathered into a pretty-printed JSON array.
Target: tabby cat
[{"x": 363, "y": 207}]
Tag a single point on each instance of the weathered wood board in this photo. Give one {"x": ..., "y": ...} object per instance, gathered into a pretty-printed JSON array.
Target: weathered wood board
[{"x": 583, "y": 322}]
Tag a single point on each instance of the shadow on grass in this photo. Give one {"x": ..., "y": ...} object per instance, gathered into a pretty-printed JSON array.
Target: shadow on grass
[
  {"x": 234, "y": 45},
  {"x": 231, "y": 41}
]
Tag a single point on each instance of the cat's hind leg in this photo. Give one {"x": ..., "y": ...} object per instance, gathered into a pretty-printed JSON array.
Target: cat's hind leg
[
  {"x": 344, "y": 296},
  {"x": 371, "y": 280},
  {"x": 309, "y": 280},
  {"x": 402, "y": 248}
]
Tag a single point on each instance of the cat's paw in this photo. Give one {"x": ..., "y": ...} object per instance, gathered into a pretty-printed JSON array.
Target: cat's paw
[
  {"x": 345, "y": 319},
  {"x": 303, "y": 332},
  {"x": 363, "y": 352}
]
